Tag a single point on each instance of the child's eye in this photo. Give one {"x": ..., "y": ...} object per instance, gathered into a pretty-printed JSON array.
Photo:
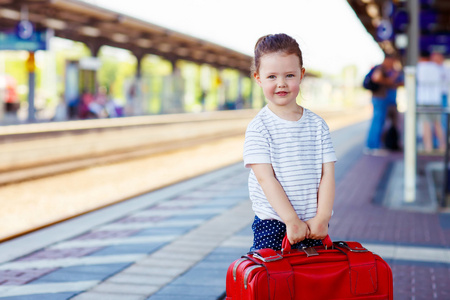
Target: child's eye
[
  {"x": 271, "y": 77},
  {"x": 290, "y": 76}
]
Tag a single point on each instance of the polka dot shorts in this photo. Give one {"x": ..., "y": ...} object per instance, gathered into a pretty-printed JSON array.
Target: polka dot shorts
[{"x": 270, "y": 234}]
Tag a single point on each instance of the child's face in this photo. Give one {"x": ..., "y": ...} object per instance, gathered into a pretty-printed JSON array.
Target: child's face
[{"x": 279, "y": 76}]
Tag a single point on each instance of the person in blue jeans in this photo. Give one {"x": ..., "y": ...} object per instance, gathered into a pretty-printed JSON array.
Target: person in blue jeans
[{"x": 386, "y": 76}]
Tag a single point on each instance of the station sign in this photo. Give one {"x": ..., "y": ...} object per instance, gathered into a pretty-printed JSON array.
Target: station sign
[
  {"x": 25, "y": 38},
  {"x": 435, "y": 42},
  {"x": 384, "y": 30}
]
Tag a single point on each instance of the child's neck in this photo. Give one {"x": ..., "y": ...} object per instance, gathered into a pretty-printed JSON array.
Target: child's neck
[{"x": 291, "y": 113}]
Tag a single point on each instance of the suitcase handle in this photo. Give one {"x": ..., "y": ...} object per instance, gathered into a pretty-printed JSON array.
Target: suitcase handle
[{"x": 286, "y": 245}]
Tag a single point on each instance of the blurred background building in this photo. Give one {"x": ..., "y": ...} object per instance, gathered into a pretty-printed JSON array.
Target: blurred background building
[{"x": 68, "y": 59}]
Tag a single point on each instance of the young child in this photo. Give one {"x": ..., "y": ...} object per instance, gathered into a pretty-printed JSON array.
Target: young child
[{"x": 290, "y": 153}]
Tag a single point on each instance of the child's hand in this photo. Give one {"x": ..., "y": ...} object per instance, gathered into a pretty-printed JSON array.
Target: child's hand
[
  {"x": 297, "y": 231},
  {"x": 318, "y": 228}
]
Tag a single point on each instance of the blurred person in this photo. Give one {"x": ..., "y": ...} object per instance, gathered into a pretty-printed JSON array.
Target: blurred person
[
  {"x": 385, "y": 77},
  {"x": 102, "y": 95},
  {"x": 288, "y": 149},
  {"x": 132, "y": 97},
  {"x": 429, "y": 94},
  {"x": 391, "y": 134},
  {"x": 11, "y": 99},
  {"x": 73, "y": 108},
  {"x": 113, "y": 109},
  {"x": 97, "y": 106},
  {"x": 438, "y": 58},
  {"x": 61, "y": 110},
  {"x": 83, "y": 107}
]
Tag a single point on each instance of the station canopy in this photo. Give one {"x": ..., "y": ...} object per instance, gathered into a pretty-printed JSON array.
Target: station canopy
[
  {"x": 96, "y": 26},
  {"x": 387, "y": 22}
]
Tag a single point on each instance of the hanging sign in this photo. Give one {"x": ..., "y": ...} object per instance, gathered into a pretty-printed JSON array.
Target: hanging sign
[
  {"x": 25, "y": 37},
  {"x": 384, "y": 30}
]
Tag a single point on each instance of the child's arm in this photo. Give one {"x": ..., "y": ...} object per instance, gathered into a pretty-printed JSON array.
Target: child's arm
[
  {"x": 296, "y": 229},
  {"x": 319, "y": 224}
]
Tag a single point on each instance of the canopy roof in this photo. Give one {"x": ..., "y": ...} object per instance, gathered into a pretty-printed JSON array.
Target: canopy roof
[
  {"x": 96, "y": 26},
  {"x": 380, "y": 16}
]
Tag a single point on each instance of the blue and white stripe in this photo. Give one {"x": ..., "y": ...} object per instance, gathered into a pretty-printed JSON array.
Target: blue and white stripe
[{"x": 296, "y": 150}]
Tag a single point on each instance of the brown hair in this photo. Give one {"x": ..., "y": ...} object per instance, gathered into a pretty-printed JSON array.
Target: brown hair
[{"x": 275, "y": 43}]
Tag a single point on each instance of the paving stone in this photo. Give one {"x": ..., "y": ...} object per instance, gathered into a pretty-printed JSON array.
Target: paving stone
[
  {"x": 82, "y": 273},
  {"x": 141, "y": 219},
  {"x": 240, "y": 241},
  {"x": 46, "y": 288},
  {"x": 111, "y": 242},
  {"x": 247, "y": 231},
  {"x": 181, "y": 203},
  {"x": 60, "y": 253},
  {"x": 191, "y": 241},
  {"x": 127, "y": 289},
  {"x": 188, "y": 224},
  {"x": 143, "y": 279},
  {"x": 162, "y": 231},
  {"x": 191, "y": 290},
  {"x": 159, "y": 263},
  {"x": 52, "y": 296},
  {"x": 129, "y": 249},
  {"x": 195, "y": 215},
  {"x": 222, "y": 204},
  {"x": 105, "y": 234},
  {"x": 221, "y": 265},
  {"x": 67, "y": 262},
  {"x": 193, "y": 257},
  {"x": 207, "y": 278},
  {"x": 19, "y": 277},
  {"x": 107, "y": 296},
  {"x": 184, "y": 250},
  {"x": 146, "y": 270}
]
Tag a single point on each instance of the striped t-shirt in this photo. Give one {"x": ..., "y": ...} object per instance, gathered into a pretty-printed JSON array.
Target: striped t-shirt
[{"x": 296, "y": 150}]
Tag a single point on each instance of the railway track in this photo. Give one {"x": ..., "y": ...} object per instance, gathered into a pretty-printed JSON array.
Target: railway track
[{"x": 38, "y": 150}]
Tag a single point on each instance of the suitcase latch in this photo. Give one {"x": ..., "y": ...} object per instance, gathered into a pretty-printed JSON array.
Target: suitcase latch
[
  {"x": 310, "y": 251},
  {"x": 267, "y": 258},
  {"x": 352, "y": 249}
]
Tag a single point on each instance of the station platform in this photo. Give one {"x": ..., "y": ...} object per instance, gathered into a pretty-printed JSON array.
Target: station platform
[{"x": 177, "y": 242}]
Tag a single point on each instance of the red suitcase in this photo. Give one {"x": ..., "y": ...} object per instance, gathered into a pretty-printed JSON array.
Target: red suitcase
[{"x": 339, "y": 270}]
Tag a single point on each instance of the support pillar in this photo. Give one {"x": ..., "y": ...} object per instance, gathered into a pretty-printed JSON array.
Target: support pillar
[
  {"x": 240, "y": 98},
  {"x": 134, "y": 93},
  {"x": 410, "y": 146},
  {"x": 175, "y": 97},
  {"x": 31, "y": 67},
  {"x": 3, "y": 93},
  {"x": 222, "y": 90}
]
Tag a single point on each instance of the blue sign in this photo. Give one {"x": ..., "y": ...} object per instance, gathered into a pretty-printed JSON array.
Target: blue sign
[
  {"x": 437, "y": 42},
  {"x": 25, "y": 30},
  {"x": 384, "y": 30},
  {"x": 37, "y": 40}
]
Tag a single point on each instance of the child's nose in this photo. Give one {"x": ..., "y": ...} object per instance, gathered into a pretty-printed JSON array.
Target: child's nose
[{"x": 281, "y": 83}]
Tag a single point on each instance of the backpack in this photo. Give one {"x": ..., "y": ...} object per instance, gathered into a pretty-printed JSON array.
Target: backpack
[
  {"x": 368, "y": 83},
  {"x": 391, "y": 139}
]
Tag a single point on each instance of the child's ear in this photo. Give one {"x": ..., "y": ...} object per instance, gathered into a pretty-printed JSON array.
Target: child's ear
[
  {"x": 303, "y": 74},
  {"x": 257, "y": 78}
]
